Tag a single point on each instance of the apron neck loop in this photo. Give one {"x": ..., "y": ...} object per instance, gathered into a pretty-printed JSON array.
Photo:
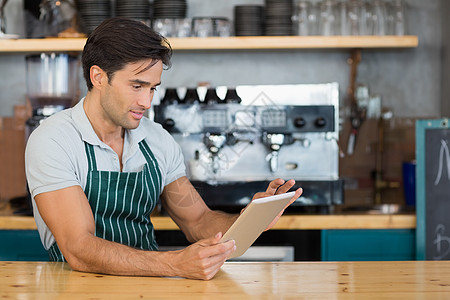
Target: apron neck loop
[{"x": 92, "y": 163}]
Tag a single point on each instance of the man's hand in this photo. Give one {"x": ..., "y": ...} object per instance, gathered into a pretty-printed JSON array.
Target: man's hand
[
  {"x": 276, "y": 187},
  {"x": 203, "y": 259}
]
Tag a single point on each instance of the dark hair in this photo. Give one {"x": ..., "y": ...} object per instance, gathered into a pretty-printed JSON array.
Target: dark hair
[{"x": 120, "y": 41}]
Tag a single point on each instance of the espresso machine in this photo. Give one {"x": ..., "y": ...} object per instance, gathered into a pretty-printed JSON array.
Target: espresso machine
[{"x": 235, "y": 141}]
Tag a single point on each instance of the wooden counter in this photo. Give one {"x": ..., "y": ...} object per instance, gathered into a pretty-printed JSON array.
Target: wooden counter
[
  {"x": 287, "y": 222},
  {"x": 297, "y": 280}
]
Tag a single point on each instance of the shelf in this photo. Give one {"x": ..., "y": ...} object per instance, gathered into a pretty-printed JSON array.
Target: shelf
[
  {"x": 42, "y": 45},
  {"x": 230, "y": 43},
  {"x": 294, "y": 42}
]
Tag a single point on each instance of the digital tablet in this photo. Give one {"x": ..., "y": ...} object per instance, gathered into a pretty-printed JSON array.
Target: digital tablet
[{"x": 254, "y": 220}]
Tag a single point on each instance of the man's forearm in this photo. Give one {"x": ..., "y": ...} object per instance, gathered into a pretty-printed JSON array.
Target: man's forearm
[
  {"x": 93, "y": 254},
  {"x": 201, "y": 260},
  {"x": 211, "y": 223}
]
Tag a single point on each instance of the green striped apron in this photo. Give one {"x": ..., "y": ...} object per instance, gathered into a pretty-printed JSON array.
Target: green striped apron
[{"x": 122, "y": 202}]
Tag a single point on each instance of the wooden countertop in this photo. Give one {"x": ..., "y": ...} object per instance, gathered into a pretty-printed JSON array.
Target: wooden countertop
[
  {"x": 261, "y": 280},
  {"x": 287, "y": 222}
]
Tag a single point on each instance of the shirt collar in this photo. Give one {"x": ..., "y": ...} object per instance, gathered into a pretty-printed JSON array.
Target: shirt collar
[{"x": 83, "y": 125}]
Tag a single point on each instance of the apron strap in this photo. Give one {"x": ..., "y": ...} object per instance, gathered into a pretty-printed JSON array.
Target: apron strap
[
  {"x": 151, "y": 161},
  {"x": 148, "y": 154},
  {"x": 92, "y": 163}
]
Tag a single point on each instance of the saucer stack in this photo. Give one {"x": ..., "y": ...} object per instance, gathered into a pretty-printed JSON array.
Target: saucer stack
[
  {"x": 278, "y": 19},
  {"x": 92, "y": 12},
  {"x": 248, "y": 20},
  {"x": 139, "y": 10},
  {"x": 169, "y": 9}
]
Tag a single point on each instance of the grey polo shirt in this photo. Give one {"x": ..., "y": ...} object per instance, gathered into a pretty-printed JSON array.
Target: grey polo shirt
[{"x": 55, "y": 155}]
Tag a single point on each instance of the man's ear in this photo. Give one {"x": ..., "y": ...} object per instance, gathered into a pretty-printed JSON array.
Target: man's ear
[{"x": 98, "y": 77}]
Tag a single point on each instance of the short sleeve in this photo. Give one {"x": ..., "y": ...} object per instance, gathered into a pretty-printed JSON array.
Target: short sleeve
[
  {"x": 175, "y": 162},
  {"x": 49, "y": 160}
]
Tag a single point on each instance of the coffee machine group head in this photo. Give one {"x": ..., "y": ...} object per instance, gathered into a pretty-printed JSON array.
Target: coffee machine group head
[
  {"x": 274, "y": 141},
  {"x": 214, "y": 143}
]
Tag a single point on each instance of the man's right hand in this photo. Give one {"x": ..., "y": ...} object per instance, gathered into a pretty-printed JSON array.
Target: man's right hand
[{"x": 203, "y": 259}]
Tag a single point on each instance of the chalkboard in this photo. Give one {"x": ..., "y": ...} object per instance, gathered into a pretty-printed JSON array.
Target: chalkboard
[{"x": 433, "y": 189}]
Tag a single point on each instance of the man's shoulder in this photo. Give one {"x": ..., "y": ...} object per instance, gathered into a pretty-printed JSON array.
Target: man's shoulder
[
  {"x": 61, "y": 119},
  {"x": 55, "y": 127}
]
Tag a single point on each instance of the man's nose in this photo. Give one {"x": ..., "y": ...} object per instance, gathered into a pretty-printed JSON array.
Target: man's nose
[{"x": 146, "y": 102}]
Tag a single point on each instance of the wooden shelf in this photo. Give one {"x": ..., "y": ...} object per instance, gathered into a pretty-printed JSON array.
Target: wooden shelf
[
  {"x": 42, "y": 45},
  {"x": 230, "y": 43},
  {"x": 294, "y": 42}
]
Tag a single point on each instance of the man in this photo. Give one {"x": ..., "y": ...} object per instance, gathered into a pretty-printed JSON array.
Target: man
[{"x": 97, "y": 170}]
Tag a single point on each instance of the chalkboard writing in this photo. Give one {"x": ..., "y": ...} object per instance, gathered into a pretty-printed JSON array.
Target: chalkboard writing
[
  {"x": 443, "y": 157},
  {"x": 440, "y": 249},
  {"x": 433, "y": 189}
]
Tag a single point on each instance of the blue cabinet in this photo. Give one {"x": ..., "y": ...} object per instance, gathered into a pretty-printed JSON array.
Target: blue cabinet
[
  {"x": 336, "y": 245},
  {"x": 21, "y": 245},
  {"x": 368, "y": 245}
]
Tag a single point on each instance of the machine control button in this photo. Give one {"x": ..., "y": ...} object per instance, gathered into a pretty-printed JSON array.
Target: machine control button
[
  {"x": 320, "y": 122},
  {"x": 169, "y": 123},
  {"x": 299, "y": 122}
]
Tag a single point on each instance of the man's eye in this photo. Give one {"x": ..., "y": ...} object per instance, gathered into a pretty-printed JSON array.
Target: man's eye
[
  {"x": 137, "y": 87},
  {"x": 154, "y": 89}
]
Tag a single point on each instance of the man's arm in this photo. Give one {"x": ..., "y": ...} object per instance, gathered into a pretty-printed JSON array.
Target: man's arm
[
  {"x": 69, "y": 217},
  {"x": 186, "y": 207}
]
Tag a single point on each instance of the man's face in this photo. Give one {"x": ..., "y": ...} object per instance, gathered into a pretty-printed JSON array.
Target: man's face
[{"x": 130, "y": 93}]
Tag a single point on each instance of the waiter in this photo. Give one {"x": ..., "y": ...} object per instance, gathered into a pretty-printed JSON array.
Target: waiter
[{"x": 97, "y": 170}]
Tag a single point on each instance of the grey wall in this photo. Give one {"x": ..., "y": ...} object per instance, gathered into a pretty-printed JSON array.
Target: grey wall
[
  {"x": 409, "y": 80},
  {"x": 445, "y": 106}
]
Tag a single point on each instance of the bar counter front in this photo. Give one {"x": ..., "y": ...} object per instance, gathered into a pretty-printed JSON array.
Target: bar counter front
[{"x": 236, "y": 280}]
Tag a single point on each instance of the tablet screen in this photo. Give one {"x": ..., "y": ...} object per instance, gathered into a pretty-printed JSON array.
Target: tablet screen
[{"x": 254, "y": 220}]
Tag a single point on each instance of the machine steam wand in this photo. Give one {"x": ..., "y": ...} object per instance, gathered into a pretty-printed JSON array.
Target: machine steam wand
[{"x": 274, "y": 141}]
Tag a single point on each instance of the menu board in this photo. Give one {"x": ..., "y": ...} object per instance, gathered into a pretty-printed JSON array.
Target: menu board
[{"x": 433, "y": 189}]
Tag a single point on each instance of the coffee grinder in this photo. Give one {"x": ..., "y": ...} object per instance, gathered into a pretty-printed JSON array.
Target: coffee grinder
[{"x": 52, "y": 85}]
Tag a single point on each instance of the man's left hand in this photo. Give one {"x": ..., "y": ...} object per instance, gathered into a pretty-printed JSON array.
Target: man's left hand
[{"x": 276, "y": 187}]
